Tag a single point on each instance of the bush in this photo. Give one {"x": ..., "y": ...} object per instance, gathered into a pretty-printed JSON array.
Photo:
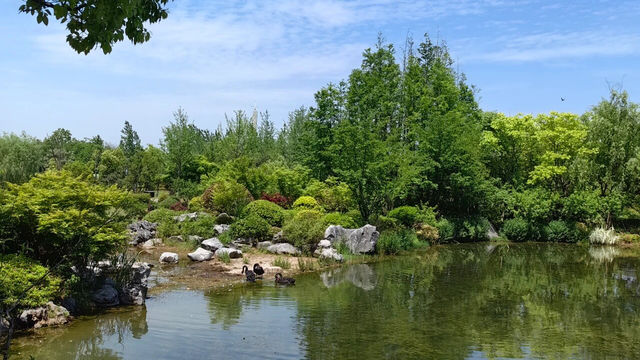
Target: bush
[
  {"x": 179, "y": 206},
  {"x": 306, "y": 202},
  {"x": 276, "y": 198},
  {"x": 603, "y": 236},
  {"x": 393, "y": 242},
  {"x": 426, "y": 216},
  {"x": 226, "y": 196},
  {"x": 517, "y": 229},
  {"x": 356, "y": 216},
  {"x": 196, "y": 204},
  {"x": 384, "y": 223},
  {"x": 406, "y": 215},
  {"x": 17, "y": 274},
  {"x": 446, "y": 230},
  {"x": 336, "y": 218},
  {"x": 630, "y": 238},
  {"x": 201, "y": 226},
  {"x": 161, "y": 215},
  {"x": 472, "y": 229},
  {"x": 140, "y": 203},
  {"x": 332, "y": 194},
  {"x": 426, "y": 232},
  {"x": 167, "y": 202},
  {"x": 251, "y": 227},
  {"x": 560, "y": 231},
  {"x": 305, "y": 229},
  {"x": 267, "y": 210}
]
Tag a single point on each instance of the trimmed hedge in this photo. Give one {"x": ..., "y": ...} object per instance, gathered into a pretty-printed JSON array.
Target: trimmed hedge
[{"x": 270, "y": 212}]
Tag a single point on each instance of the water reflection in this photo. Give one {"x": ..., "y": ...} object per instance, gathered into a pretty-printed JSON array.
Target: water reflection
[
  {"x": 604, "y": 253},
  {"x": 360, "y": 275}
]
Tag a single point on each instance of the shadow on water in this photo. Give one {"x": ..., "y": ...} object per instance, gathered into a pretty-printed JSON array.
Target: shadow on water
[{"x": 451, "y": 302}]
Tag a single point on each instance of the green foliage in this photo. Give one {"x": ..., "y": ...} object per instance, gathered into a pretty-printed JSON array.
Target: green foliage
[
  {"x": 168, "y": 202},
  {"x": 393, "y": 242},
  {"x": 306, "y": 265},
  {"x": 630, "y": 238},
  {"x": 429, "y": 233},
  {"x": 517, "y": 229},
  {"x": 201, "y": 226},
  {"x": 267, "y": 210},
  {"x": 560, "y": 231},
  {"x": 306, "y": 202},
  {"x": 446, "y": 230},
  {"x": 196, "y": 204},
  {"x": 406, "y": 215},
  {"x": 56, "y": 214},
  {"x": 251, "y": 227},
  {"x": 473, "y": 228},
  {"x": 336, "y": 218},
  {"x": 226, "y": 196},
  {"x": 282, "y": 263},
  {"x": 305, "y": 229},
  {"x": 161, "y": 215},
  {"x": 332, "y": 194},
  {"x": 225, "y": 258},
  {"x": 384, "y": 223},
  {"x": 21, "y": 157},
  {"x": 25, "y": 282}
]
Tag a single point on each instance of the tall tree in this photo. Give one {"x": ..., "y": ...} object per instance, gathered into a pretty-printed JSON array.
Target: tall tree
[
  {"x": 182, "y": 142},
  {"x": 129, "y": 141},
  {"x": 57, "y": 147}
]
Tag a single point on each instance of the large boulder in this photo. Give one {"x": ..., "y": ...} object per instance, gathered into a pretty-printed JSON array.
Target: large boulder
[
  {"x": 336, "y": 233},
  {"x": 151, "y": 243},
  {"x": 200, "y": 255},
  {"x": 135, "y": 292},
  {"x": 195, "y": 238},
  {"x": 283, "y": 248},
  {"x": 263, "y": 245},
  {"x": 48, "y": 315},
  {"x": 141, "y": 231},
  {"x": 330, "y": 253},
  {"x": 106, "y": 296},
  {"x": 212, "y": 244},
  {"x": 233, "y": 253},
  {"x": 168, "y": 258},
  {"x": 359, "y": 241},
  {"x": 184, "y": 217},
  {"x": 323, "y": 244},
  {"x": 220, "y": 229}
]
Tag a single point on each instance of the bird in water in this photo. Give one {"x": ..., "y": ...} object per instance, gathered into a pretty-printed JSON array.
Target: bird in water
[
  {"x": 284, "y": 280},
  {"x": 258, "y": 270},
  {"x": 251, "y": 276}
]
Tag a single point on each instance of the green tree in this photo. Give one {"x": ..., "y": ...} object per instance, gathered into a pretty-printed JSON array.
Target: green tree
[
  {"x": 21, "y": 157},
  {"x": 153, "y": 166},
  {"x": 182, "y": 142},
  {"x": 129, "y": 141},
  {"x": 93, "y": 23},
  {"x": 57, "y": 147}
]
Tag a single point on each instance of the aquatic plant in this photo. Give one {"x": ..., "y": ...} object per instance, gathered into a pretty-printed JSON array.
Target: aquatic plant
[
  {"x": 306, "y": 264},
  {"x": 603, "y": 236},
  {"x": 282, "y": 263}
]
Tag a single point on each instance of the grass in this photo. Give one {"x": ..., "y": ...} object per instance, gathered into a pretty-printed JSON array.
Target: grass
[
  {"x": 224, "y": 257},
  {"x": 245, "y": 260},
  {"x": 306, "y": 265},
  {"x": 603, "y": 236},
  {"x": 282, "y": 263}
]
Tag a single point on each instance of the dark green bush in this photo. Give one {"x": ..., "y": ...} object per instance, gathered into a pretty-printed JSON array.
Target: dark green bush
[
  {"x": 251, "y": 227},
  {"x": 161, "y": 215},
  {"x": 17, "y": 274},
  {"x": 471, "y": 229},
  {"x": 446, "y": 230},
  {"x": 336, "y": 218},
  {"x": 516, "y": 229},
  {"x": 201, "y": 226},
  {"x": 267, "y": 210},
  {"x": 406, "y": 215},
  {"x": 168, "y": 202},
  {"x": 561, "y": 231},
  {"x": 356, "y": 216},
  {"x": 305, "y": 229},
  {"x": 393, "y": 242},
  {"x": 226, "y": 196},
  {"x": 384, "y": 223}
]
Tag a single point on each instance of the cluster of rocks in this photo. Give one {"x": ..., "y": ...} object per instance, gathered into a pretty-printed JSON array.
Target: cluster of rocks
[
  {"x": 48, "y": 315},
  {"x": 359, "y": 241},
  {"x": 142, "y": 231},
  {"x": 132, "y": 293},
  {"x": 213, "y": 247}
]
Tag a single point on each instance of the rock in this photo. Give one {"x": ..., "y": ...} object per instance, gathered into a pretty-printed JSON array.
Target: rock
[
  {"x": 48, "y": 315},
  {"x": 151, "y": 243},
  {"x": 195, "y": 238},
  {"x": 135, "y": 293},
  {"x": 184, "y": 217},
  {"x": 323, "y": 244},
  {"x": 177, "y": 238},
  {"x": 264, "y": 244},
  {"x": 220, "y": 229},
  {"x": 330, "y": 253},
  {"x": 363, "y": 240},
  {"x": 360, "y": 241},
  {"x": 224, "y": 219},
  {"x": 168, "y": 258},
  {"x": 141, "y": 231},
  {"x": 283, "y": 248},
  {"x": 70, "y": 304},
  {"x": 278, "y": 237},
  {"x": 106, "y": 296},
  {"x": 233, "y": 253},
  {"x": 212, "y": 244},
  {"x": 200, "y": 255}
]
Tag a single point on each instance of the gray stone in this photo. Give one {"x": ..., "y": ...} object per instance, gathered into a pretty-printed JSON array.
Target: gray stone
[
  {"x": 184, "y": 217},
  {"x": 106, "y": 296},
  {"x": 330, "y": 253},
  {"x": 233, "y": 253},
  {"x": 141, "y": 231},
  {"x": 283, "y": 248},
  {"x": 220, "y": 229},
  {"x": 264, "y": 244},
  {"x": 278, "y": 237},
  {"x": 48, "y": 315},
  {"x": 195, "y": 238},
  {"x": 135, "y": 293},
  {"x": 151, "y": 243},
  {"x": 363, "y": 240},
  {"x": 360, "y": 275},
  {"x": 336, "y": 233},
  {"x": 323, "y": 244},
  {"x": 168, "y": 258},
  {"x": 212, "y": 244},
  {"x": 177, "y": 238},
  {"x": 200, "y": 255}
]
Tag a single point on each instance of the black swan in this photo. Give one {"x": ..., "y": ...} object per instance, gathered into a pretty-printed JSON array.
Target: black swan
[
  {"x": 251, "y": 276},
  {"x": 284, "y": 280},
  {"x": 258, "y": 270}
]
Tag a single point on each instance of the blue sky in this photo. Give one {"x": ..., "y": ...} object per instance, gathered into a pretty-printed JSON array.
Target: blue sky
[{"x": 214, "y": 57}]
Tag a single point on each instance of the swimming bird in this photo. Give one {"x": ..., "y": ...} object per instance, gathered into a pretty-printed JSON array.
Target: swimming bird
[
  {"x": 258, "y": 270},
  {"x": 284, "y": 280},
  {"x": 251, "y": 276}
]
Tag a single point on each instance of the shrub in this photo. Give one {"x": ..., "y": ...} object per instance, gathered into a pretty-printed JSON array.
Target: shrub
[
  {"x": 336, "y": 218},
  {"x": 276, "y": 198},
  {"x": 267, "y": 210},
  {"x": 384, "y": 223},
  {"x": 225, "y": 258},
  {"x": 196, "y": 204},
  {"x": 17, "y": 274},
  {"x": 356, "y": 216},
  {"x": 603, "y": 236},
  {"x": 427, "y": 216},
  {"x": 201, "y": 226},
  {"x": 226, "y": 196},
  {"x": 472, "y": 229},
  {"x": 167, "y": 202},
  {"x": 446, "y": 230},
  {"x": 282, "y": 263},
  {"x": 140, "y": 203},
  {"x": 332, "y": 194},
  {"x": 179, "y": 206},
  {"x": 516, "y": 229},
  {"x": 251, "y": 227},
  {"x": 161, "y": 215},
  {"x": 630, "y": 238},
  {"x": 426, "y": 232},
  {"x": 305, "y": 229},
  {"x": 406, "y": 215},
  {"x": 306, "y": 202},
  {"x": 559, "y": 231},
  {"x": 393, "y": 242}
]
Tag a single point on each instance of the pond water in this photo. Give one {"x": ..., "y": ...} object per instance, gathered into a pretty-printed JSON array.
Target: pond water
[{"x": 470, "y": 301}]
